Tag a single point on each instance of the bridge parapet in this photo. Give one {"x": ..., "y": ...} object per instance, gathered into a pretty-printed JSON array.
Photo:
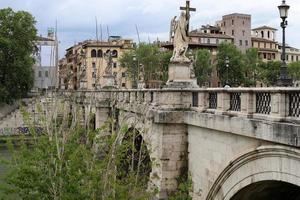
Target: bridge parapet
[{"x": 276, "y": 104}]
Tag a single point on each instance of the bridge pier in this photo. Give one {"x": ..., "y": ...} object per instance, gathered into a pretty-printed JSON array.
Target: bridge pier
[{"x": 102, "y": 115}]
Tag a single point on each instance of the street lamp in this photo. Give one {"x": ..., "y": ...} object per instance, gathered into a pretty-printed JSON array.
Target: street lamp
[
  {"x": 135, "y": 82},
  {"x": 284, "y": 79},
  {"x": 227, "y": 71}
]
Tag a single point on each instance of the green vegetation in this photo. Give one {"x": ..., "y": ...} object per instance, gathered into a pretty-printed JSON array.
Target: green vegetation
[
  {"x": 246, "y": 69},
  {"x": 294, "y": 70},
  {"x": 203, "y": 66},
  {"x": 269, "y": 72},
  {"x": 146, "y": 62},
  {"x": 70, "y": 162},
  {"x": 17, "y": 35},
  {"x": 236, "y": 72},
  {"x": 185, "y": 186}
]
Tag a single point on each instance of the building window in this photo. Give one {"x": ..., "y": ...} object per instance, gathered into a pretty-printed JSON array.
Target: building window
[
  {"x": 107, "y": 52},
  {"x": 232, "y": 22},
  {"x": 262, "y": 34},
  {"x": 40, "y": 74},
  {"x": 94, "y": 75},
  {"x": 297, "y": 58},
  {"x": 243, "y": 22},
  {"x": 115, "y": 65},
  {"x": 292, "y": 58},
  {"x": 208, "y": 41},
  {"x": 232, "y": 32},
  {"x": 93, "y": 53},
  {"x": 224, "y": 23},
  {"x": 46, "y": 74},
  {"x": 246, "y": 42},
  {"x": 115, "y": 74},
  {"x": 114, "y": 54},
  {"x": 243, "y": 32},
  {"x": 241, "y": 42},
  {"x": 268, "y": 34},
  {"x": 287, "y": 57},
  {"x": 265, "y": 45},
  {"x": 94, "y": 65},
  {"x": 100, "y": 53},
  {"x": 123, "y": 85},
  {"x": 265, "y": 55},
  {"x": 123, "y": 74}
]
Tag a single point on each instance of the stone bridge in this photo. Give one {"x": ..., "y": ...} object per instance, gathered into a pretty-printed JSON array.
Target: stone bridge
[{"x": 238, "y": 143}]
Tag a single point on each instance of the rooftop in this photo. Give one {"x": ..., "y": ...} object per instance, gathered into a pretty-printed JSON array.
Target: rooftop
[
  {"x": 40, "y": 38},
  {"x": 209, "y": 35},
  {"x": 264, "y": 27},
  {"x": 262, "y": 39},
  {"x": 237, "y": 14}
]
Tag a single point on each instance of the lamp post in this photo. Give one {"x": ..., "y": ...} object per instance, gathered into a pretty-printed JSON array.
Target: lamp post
[
  {"x": 284, "y": 80},
  {"x": 227, "y": 72},
  {"x": 135, "y": 82}
]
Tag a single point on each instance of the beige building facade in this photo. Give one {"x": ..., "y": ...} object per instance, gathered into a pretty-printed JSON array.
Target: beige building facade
[
  {"x": 264, "y": 39},
  {"x": 95, "y": 64},
  {"x": 237, "y": 26},
  {"x": 292, "y": 54}
]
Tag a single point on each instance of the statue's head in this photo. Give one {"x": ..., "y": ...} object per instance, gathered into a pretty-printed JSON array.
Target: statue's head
[{"x": 182, "y": 14}]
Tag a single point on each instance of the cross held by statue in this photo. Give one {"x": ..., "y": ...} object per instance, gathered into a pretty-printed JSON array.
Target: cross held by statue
[{"x": 188, "y": 9}]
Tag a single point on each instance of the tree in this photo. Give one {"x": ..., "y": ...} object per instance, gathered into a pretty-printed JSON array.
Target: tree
[
  {"x": 146, "y": 60},
  {"x": 294, "y": 70},
  {"x": 269, "y": 72},
  {"x": 72, "y": 162},
  {"x": 17, "y": 35},
  {"x": 203, "y": 67},
  {"x": 251, "y": 63},
  {"x": 235, "y": 73}
]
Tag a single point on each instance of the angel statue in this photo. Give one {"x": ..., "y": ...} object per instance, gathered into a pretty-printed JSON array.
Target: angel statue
[{"x": 181, "y": 40}]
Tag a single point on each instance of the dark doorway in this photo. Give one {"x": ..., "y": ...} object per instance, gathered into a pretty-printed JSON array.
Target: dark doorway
[{"x": 269, "y": 190}]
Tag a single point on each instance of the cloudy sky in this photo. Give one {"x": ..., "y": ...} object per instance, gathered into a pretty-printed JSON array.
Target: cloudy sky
[{"x": 76, "y": 18}]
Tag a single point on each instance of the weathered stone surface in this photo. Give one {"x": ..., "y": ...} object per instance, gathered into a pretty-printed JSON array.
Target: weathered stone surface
[{"x": 226, "y": 150}]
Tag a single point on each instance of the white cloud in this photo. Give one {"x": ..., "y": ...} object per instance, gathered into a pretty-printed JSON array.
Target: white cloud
[{"x": 76, "y": 18}]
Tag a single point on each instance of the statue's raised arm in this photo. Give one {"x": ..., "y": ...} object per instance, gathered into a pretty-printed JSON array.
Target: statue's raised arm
[{"x": 181, "y": 40}]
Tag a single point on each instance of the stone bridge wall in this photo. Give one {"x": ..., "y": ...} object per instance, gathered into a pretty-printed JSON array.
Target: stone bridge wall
[{"x": 208, "y": 127}]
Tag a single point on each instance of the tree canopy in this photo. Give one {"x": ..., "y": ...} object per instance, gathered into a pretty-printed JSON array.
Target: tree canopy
[
  {"x": 17, "y": 35},
  {"x": 294, "y": 70},
  {"x": 146, "y": 60},
  {"x": 203, "y": 66},
  {"x": 235, "y": 73}
]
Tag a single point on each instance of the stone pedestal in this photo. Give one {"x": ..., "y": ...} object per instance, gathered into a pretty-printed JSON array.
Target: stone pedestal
[
  {"x": 108, "y": 81},
  {"x": 180, "y": 76}
]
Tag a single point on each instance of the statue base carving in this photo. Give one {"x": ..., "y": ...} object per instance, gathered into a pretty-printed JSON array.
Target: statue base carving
[
  {"x": 180, "y": 76},
  {"x": 108, "y": 81}
]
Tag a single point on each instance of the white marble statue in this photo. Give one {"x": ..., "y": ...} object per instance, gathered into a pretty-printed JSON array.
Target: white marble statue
[{"x": 181, "y": 40}]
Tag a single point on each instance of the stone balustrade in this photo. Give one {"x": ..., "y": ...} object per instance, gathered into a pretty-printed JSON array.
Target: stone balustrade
[{"x": 278, "y": 104}]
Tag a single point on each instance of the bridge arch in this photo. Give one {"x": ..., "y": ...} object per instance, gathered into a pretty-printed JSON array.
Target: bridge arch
[{"x": 265, "y": 167}]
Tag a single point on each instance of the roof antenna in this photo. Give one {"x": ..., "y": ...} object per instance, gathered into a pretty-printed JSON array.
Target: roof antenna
[
  {"x": 96, "y": 29},
  {"x": 107, "y": 29},
  {"x": 138, "y": 34}
]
